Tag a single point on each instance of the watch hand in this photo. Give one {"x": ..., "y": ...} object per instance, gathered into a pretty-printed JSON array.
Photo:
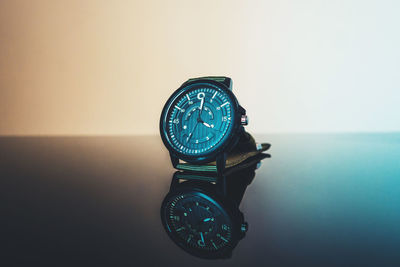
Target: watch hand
[
  {"x": 207, "y": 125},
  {"x": 201, "y": 107},
  {"x": 190, "y": 135},
  {"x": 207, "y": 219},
  {"x": 202, "y": 238}
]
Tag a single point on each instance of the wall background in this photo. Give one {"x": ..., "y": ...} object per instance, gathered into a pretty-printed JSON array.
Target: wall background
[{"x": 107, "y": 67}]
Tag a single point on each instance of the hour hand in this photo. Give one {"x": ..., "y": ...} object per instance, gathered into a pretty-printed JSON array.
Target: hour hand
[{"x": 207, "y": 125}]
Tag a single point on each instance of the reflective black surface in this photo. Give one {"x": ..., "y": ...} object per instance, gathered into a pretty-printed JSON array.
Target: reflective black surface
[
  {"x": 201, "y": 212},
  {"x": 321, "y": 200}
]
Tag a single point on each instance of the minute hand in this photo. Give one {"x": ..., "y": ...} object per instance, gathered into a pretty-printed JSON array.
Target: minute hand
[
  {"x": 201, "y": 108},
  {"x": 190, "y": 135}
]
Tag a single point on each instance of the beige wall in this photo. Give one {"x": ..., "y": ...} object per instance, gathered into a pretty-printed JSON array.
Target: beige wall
[{"x": 107, "y": 67}]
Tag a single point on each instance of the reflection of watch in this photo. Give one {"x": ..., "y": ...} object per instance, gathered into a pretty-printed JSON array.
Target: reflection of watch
[
  {"x": 202, "y": 121},
  {"x": 203, "y": 217}
]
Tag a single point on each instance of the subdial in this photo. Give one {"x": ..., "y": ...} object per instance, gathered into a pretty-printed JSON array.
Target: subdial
[{"x": 207, "y": 114}]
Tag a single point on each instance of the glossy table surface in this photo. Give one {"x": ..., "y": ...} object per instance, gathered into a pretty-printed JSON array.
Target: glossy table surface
[{"x": 320, "y": 200}]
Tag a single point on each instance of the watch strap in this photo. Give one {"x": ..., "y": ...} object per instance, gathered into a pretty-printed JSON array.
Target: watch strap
[
  {"x": 246, "y": 149},
  {"x": 232, "y": 184},
  {"x": 221, "y": 79}
]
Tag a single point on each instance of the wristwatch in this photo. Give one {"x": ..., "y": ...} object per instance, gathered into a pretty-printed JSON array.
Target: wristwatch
[
  {"x": 202, "y": 123},
  {"x": 201, "y": 212}
]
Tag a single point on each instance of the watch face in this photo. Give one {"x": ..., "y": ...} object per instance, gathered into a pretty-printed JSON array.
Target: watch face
[
  {"x": 199, "y": 119},
  {"x": 198, "y": 223}
]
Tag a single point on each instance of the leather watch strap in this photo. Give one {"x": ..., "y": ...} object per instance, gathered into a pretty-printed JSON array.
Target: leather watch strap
[
  {"x": 246, "y": 149},
  {"x": 222, "y": 79}
]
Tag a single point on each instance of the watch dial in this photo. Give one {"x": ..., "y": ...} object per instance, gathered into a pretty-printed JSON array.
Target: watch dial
[
  {"x": 198, "y": 222},
  {"x": 199, "y": 119}
]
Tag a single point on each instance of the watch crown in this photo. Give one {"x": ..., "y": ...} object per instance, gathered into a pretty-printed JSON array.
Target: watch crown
[
  {"x": 244, "y": 227},
  {"x": 244, "y": 120}
]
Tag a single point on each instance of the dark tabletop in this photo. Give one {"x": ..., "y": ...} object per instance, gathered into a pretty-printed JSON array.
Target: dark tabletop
[{"x": 320, "y": 200}]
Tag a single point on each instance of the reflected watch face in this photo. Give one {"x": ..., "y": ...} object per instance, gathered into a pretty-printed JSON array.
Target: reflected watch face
[
  {"x": 198, "y": 222},
  {"x": 199, "y": 119}
]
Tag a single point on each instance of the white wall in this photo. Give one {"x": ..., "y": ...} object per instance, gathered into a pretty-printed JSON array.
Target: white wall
[{"x": 107, "y": 67}]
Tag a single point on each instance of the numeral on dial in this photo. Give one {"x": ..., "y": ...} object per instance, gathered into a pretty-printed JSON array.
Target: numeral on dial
[
  {"x": 225, "y": 227},
  {"x": 181, "y": 109}
]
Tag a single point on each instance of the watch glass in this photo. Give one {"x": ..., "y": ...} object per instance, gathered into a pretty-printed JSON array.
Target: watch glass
[
  {"x": 199, "y": 119},
  {"x": 198, "y": 222}
]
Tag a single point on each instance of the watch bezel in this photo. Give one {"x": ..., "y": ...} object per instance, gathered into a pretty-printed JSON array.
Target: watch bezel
[{"x": 230, "y": 139}]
